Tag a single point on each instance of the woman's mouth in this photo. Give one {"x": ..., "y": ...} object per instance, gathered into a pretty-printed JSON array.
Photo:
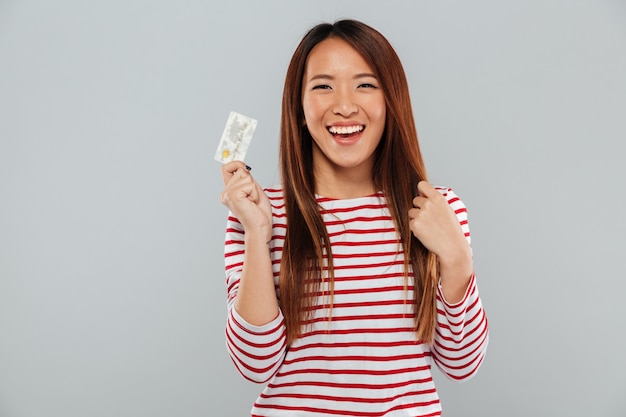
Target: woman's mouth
[{"x": 345, "y": 131}]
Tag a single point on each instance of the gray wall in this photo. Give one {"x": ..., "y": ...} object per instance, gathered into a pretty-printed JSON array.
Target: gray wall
[{"x": 112, "y": 296}]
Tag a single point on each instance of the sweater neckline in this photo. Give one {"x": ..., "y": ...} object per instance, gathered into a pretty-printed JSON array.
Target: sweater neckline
[{"x": 324, "y": 199}]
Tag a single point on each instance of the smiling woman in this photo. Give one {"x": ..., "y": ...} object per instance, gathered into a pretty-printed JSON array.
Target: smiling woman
[
  {"x": 368, "y": 279},
  {"x": 344, "y": 111}
]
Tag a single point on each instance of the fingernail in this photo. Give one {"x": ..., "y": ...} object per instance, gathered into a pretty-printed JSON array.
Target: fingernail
[{"x": 249, "y": 168}]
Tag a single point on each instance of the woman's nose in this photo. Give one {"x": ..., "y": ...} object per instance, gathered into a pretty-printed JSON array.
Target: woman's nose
[{"x": 345, "y": 104}]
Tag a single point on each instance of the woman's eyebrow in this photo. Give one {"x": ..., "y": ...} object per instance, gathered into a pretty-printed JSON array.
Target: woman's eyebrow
[
  {"x": 365, "y": 75},
  {"x": 321, "y": 77}
]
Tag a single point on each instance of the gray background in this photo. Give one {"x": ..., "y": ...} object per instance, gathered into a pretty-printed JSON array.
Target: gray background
[{"x": 112, "y": 296}]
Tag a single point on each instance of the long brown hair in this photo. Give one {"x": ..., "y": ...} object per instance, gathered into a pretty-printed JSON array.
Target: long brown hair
[{"x": 397, "y": 170}]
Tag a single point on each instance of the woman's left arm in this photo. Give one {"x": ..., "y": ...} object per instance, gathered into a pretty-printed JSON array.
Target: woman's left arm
[{"x": 439, "y": 220}]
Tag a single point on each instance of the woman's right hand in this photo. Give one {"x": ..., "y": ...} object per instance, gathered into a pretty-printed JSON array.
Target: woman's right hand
[{"x": 245, "y": 198}]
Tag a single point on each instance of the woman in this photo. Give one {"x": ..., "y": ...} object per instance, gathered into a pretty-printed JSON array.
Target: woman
[{"x": 347, "y": 281}]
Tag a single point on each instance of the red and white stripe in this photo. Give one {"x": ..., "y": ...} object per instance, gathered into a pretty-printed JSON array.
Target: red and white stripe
[{"x": 366, "y": 361}]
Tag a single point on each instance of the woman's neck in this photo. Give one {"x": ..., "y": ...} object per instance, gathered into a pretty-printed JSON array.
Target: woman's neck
[{"x": 344, "y": 184}]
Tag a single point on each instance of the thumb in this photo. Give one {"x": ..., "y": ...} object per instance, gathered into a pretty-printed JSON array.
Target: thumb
[
  {"x": 425, "y": 189},
  {"x": 228, "y": 170}
]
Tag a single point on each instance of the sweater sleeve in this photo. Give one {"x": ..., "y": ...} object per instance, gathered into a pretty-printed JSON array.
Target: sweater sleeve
[
  {"x": 256, "y": 351},
  {"x": 462, "y": 333}
]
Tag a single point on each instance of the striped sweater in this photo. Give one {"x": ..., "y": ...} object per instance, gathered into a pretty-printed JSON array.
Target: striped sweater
[{"x": 367, "y": 361}]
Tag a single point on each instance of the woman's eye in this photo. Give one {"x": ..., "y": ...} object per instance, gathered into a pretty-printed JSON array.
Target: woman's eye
[
  {"x": 367, "y": 85},
  {"x": 321, "y": 87}
]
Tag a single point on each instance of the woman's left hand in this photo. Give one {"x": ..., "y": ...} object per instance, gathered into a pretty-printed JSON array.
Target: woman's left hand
[{"x": 435, "y": 224}]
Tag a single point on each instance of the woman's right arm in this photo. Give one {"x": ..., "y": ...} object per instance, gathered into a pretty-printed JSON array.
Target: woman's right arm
[{"x": 255, "y": 332}]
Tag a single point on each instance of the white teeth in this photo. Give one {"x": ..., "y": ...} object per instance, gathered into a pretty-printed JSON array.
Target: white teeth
[{"x": 345, "y": 130}]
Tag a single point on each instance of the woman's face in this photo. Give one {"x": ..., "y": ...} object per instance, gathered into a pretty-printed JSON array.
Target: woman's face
[{"x": 344, "y": 108}]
